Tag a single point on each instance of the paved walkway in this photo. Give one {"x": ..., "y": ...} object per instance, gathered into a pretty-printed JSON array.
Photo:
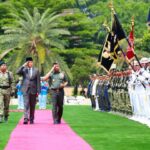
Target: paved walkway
[{"x": 44, "y": 135}]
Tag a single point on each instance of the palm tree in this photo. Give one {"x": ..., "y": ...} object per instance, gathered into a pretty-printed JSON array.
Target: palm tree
[{"x": 33, "y": 34}]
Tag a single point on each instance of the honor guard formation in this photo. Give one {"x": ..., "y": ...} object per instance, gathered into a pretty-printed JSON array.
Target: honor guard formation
[{"x": 125, "y": 91}]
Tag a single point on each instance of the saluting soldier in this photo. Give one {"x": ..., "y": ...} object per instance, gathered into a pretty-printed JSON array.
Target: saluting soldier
[
  {"x": 58, "y": 82},
  {"x": 7, "y": 88}
]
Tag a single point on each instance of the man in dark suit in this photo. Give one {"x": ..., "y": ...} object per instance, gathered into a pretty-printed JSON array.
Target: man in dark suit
[{"x": 30, "y": 88}]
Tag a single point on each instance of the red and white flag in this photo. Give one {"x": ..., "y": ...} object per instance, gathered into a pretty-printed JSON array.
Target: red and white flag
[{"x": 130, "y": 49}]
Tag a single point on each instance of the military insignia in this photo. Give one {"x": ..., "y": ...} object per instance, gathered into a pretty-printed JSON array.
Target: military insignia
[
  {"x": 106, "y": 54},
  {"x": 61, "y": 75}
]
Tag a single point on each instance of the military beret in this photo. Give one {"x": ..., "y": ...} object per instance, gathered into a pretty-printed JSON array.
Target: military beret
[
  {"x": 29, "y": 59},
  {"x": 2, "y": 62}
]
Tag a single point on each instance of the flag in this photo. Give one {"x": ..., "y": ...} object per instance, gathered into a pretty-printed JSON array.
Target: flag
[
  {"x": 105, "y": 56},
  {"x": 117, "y": 28},
  {"x": 148, "y": 19},
  {"x": 130, "y": 50},
  {"x": 118, "y": 37},
  {"x": 115, "y": 49}
]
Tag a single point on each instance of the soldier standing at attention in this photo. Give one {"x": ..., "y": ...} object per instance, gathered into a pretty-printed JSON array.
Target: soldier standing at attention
[
  {"x": 6, "y": 90},
  {"x": 58, "y": 82}
]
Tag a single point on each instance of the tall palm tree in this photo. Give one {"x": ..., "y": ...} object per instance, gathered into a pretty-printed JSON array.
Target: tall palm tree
[{"x": 33, "y": 34}]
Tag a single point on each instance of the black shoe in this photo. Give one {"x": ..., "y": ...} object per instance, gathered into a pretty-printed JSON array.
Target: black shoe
[
  {"x": 31, "y": 122},
  {"x": 25, "y": 121},
  {"x": 59, "y": 121},
  {"x": 56, "y": 122}
]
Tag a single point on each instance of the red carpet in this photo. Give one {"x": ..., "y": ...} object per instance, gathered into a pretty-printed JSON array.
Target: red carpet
[{"x": 44, "y": 135}]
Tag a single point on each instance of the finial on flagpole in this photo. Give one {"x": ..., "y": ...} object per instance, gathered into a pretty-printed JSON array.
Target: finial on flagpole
[
  {"x": 111, "y": 6},
  {"x": 132, "y": 21}
]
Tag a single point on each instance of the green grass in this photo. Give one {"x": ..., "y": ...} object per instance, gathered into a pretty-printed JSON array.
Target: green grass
[
  {"x": 7, "y": 128},
  {"x": 105, "y": 131}
]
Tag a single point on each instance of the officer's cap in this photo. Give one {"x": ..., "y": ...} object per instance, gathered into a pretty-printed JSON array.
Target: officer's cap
[
  {"x": 135, "y": 63},
  {"x": 2, "y": 62},
  {"x": 144, "y": 60},
  {"x": 29, "y": 59}
]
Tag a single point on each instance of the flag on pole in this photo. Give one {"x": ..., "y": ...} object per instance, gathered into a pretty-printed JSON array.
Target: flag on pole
[
  {"x": 117, "y": 28},
  {"x": 117, "y": 35},
  {"x": 130, "y": 50},
  {"x": 121, "y": 36},
  {"x": 106, "y": 59},
  {"x": 115, "y": 48}
]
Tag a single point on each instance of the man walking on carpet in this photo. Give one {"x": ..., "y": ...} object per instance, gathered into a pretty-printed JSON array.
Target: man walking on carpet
[
  {"x": 57, "y": 83},
  {"x": 30, "y": 88}
]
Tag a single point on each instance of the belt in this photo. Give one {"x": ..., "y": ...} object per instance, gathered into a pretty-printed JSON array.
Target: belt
[
  {"x": 4, "y": 87},
  {"x": 56, "y": 90}
]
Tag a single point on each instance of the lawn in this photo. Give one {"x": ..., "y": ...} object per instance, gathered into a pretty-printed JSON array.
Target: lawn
[
  {"x": 103, "y": 131},
  {"x": 6, "y": 128}
]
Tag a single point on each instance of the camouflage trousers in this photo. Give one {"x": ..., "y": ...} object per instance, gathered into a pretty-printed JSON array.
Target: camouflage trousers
[
  {"x": 4, "y": 102},
  {"x": 120, "y": 101}
]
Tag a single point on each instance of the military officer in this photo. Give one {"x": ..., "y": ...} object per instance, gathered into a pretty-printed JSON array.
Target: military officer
[
  {"x": 57, "y": 83},
  {"x": 7, "y": 88}
]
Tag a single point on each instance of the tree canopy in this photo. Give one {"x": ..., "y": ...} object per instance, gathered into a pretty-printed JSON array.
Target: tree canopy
[{"x": 50, "y": 25}]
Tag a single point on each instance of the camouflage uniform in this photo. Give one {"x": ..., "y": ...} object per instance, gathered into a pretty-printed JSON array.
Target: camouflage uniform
[
  {"x": 121, "y": 94},
  {"x": 115, "y": 94},
  {"x": 126, "y": 96},
  {"x": 57, "y": 93},
  {"x": 111, "y": 93},
  {"x": 6, "y": 89},
  {"x": 118, "y": 93}
]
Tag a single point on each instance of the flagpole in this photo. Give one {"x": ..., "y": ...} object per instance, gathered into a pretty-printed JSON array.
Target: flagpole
[
  {"x": 99, "y": 56},
  {"x": 113, "y": 10},
  {"x": 127, "y": 61},
  {"x": 132, "y": 24}
]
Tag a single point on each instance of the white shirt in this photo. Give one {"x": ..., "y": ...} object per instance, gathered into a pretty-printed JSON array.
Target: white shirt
[{"x": 30, "y": 72}]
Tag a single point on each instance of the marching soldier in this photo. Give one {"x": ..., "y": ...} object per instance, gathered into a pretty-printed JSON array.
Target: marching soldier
[
  {"x": 6, "y": 90},
  {"x": 58, "y": 82}
]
